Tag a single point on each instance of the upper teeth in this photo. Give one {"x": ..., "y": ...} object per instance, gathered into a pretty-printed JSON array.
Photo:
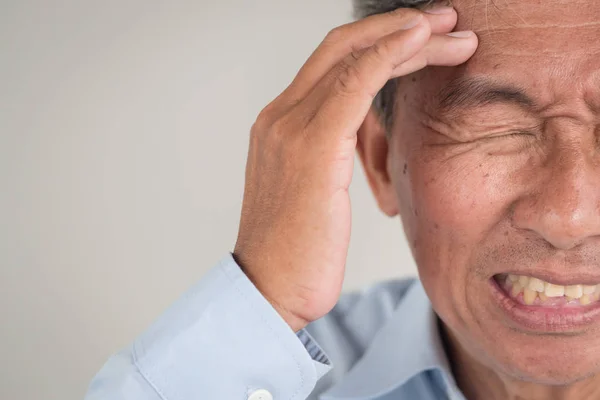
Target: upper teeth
[{"x": 551, "y": 290}]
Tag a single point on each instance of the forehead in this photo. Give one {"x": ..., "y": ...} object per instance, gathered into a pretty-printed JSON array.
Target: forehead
[
  {"x": 550, "y": 47},
  {"x": 522, "y": 26}
]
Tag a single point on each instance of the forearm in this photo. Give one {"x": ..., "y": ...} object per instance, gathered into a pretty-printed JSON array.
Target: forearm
[{"x": 221, "y": 340}]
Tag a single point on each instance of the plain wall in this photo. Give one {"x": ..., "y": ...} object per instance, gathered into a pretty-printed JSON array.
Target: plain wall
[{"x": 123, "y": 138}]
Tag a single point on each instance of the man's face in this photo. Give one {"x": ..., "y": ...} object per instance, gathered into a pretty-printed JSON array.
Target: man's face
[{"x": 496, "y": 168}]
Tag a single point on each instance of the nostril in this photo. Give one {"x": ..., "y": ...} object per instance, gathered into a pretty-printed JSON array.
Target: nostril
[{"x": 564, "y": 221}]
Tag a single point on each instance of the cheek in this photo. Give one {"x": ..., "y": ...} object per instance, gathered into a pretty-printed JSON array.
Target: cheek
[
  {"x": 452, "y": 208},
  {"x": 457, "y": 200}
]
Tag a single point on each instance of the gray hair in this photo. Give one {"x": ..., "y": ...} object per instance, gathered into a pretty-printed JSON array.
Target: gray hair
[{"x": 385, "y": 99}]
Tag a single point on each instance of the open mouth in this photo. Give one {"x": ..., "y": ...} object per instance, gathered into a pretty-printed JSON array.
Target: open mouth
[
  {"x": 543, "y": 307},
  {"x": 532, "y": 291}
]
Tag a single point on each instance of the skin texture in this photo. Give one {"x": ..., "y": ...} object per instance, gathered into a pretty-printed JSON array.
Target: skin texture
[
  {"x": 495, "y": 188},
  {"x": 295, "y": 223}
]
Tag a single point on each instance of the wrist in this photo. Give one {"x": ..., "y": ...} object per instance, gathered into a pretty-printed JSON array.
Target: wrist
[{"x": 295, "y": 322}]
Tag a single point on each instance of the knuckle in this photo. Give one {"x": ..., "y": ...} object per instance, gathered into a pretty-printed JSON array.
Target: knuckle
[
  {"x": 262, "y": 122},
  {"x": 356, "y": 52},
  {"x": 349, "y": 77},
  {"x": 337, "y": 35},
  {"x": 381, "y": 50},
  {"x": 267, "y": 117},
  {"x": 279, "y": 129},
  {"x": 272, "y": 139}
]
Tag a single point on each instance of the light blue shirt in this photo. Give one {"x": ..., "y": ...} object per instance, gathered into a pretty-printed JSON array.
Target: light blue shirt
[{"x": 222, "y": 340}]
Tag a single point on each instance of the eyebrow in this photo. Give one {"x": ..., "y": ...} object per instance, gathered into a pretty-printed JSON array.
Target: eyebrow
[{"x": 470, "y": 92}]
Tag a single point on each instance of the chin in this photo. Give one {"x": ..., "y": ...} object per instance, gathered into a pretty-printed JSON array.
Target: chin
[
  {"x": 552, "y": 370},
  {"x": 518, "y": 354},
  {"x": 550, "y": 360}
]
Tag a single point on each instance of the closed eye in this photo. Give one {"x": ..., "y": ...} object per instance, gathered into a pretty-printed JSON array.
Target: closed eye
[{"x": 514, "y": 135}]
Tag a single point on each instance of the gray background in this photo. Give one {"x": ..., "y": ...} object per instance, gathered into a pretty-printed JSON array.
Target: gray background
[{"x": 123, "y": 138}]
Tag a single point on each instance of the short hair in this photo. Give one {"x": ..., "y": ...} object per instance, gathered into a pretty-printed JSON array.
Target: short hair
[{"x": 385, "y": 100}]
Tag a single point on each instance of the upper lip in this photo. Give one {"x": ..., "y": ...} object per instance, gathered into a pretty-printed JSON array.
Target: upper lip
[{"x": 560, "y": 275}]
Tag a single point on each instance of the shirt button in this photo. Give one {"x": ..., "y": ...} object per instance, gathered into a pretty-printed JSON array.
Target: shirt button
[{"x": 261, "y": 395}]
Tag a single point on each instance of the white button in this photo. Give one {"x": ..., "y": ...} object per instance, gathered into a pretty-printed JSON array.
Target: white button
[{"x": 261, "y": 395}]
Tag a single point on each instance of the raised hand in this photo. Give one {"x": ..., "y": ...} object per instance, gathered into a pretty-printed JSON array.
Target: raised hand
[{"x": 295, "y": 224}]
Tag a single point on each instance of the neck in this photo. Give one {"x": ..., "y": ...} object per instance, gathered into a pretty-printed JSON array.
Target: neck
[{"x": 478, "y": 381}]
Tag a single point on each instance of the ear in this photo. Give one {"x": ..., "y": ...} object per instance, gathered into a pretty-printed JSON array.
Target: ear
[{"x": 373, "y": 150}]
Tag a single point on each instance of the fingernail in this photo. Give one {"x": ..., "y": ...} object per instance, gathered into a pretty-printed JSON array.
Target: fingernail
[
  {"x": 412, "y": 22},
  {"x": 460, "y": 34},
  {"x": 439, "y": 10}
]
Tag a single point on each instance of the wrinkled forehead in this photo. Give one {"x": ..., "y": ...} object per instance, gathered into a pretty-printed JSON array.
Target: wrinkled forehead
[
  {"x": 551, "y": 48},
  {"x": 534, "y": 28}
]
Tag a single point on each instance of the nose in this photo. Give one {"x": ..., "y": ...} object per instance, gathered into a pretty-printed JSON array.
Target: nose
[{"x": 564, "y": 209}]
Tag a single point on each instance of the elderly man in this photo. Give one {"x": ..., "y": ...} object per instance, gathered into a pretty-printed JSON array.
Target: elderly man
[{"x": 483, "y": 135}]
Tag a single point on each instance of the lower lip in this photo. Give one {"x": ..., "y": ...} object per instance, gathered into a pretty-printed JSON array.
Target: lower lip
[{"x": 542, "y": 319}]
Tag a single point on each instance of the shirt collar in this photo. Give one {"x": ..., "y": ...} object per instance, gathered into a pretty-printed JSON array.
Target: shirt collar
[{"x": 407, "y": 345}]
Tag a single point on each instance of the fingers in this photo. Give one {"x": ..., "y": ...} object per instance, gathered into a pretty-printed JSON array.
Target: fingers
[
  {"x": 357, "y": 36},
  {"x": 441, "y": 50},
  {"x": 340, "y": 101}
]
